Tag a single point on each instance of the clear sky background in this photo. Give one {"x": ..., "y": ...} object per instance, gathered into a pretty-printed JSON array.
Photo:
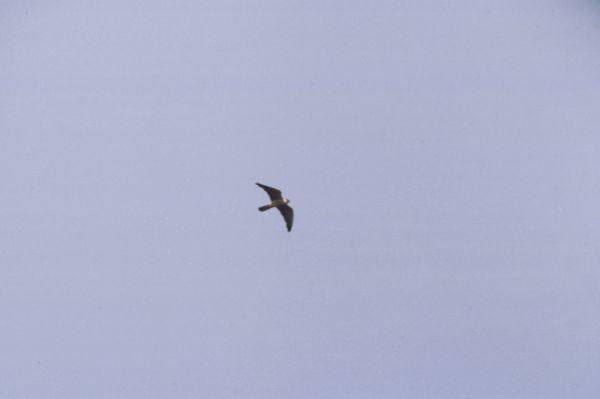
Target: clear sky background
[{"x": 442, "y": 157}]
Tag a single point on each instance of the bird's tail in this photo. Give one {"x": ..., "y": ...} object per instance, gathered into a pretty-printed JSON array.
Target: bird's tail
[{"x": 264, "y": 208}]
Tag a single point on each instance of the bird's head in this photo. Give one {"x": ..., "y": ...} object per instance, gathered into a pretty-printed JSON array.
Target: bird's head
[{"x": 285, "y": 200}]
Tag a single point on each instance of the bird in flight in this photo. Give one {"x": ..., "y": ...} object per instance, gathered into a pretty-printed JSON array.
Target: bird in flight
[{"x": 277, "y": 201}]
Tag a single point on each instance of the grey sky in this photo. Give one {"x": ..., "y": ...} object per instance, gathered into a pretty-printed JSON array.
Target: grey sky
[{"x": 442, "y": 157}]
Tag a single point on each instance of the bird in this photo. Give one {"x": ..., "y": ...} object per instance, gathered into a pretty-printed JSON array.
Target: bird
[{"x": 279, "y": 202}]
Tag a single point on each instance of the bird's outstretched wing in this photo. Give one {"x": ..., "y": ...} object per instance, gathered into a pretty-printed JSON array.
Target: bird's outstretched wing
[
  {"x": 273, "y": 192},
  {"x": 288, "y": 215}
]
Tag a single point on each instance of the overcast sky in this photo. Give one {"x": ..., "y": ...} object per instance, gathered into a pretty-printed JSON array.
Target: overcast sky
[{"x": 442, "y": 158}]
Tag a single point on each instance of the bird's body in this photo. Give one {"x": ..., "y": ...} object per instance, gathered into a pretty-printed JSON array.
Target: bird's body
[{"x": 279, "y": 202}]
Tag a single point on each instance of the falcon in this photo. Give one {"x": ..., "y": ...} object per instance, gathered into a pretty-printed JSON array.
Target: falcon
[{"x": 279, "y": 202}]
